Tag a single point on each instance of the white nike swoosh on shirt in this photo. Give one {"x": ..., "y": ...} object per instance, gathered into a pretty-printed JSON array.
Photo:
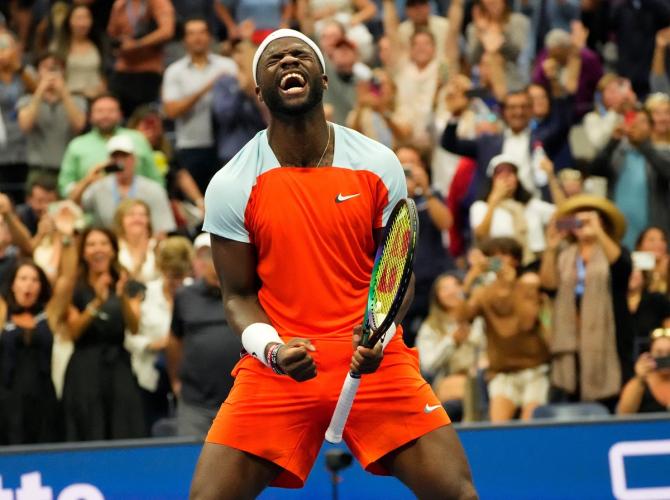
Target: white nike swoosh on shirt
[
  {"x": 430, "y": 409},
  {"x": 340, "y": 197}
]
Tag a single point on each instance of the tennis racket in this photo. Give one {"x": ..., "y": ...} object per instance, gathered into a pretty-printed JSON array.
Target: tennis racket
[{"x": 388, "y": 284}]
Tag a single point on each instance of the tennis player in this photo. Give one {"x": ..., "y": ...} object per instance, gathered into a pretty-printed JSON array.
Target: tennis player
[{"x": 295, "y": 218}]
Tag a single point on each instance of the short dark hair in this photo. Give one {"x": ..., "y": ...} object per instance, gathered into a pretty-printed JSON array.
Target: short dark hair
[
  {"x": 196, "y": 19},
  {"x": 522, "y": 91},
  {"x": 104, "y": 95},
  {"x": 46, "y": 182},
  {"x": 504, "y": 245},
  {"x": 50, "y": 54}
]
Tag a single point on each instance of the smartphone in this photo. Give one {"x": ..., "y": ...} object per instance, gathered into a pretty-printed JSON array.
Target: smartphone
[
  {"x": 494, "y": 264},
  {"x": 644, "y": 261},
  {"x": 662, "y": 363},
  {"x": 477, "y": 92},
  {"x": 375, "y": 86},
  {"x": 629, "y": 117},
  {"x": 112, "y": 168},
  {"x": 568, "y": 223},
  {"x": 134, "y": 288}
]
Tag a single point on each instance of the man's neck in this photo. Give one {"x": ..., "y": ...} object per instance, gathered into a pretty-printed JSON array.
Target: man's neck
[
  {"x": 125, "y": 182},
  {"x": 287, "y": 134},
  {"x": 107, "y": 133},
  {"x": 199, "y": 59},
  {"x": 518, "y": 131}
]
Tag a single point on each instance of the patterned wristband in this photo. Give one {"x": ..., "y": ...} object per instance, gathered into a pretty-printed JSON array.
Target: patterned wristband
[{"x": 272, "y": 359}]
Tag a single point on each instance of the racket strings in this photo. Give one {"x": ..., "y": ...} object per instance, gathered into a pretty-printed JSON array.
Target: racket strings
[{"x": 387, "y": 278}]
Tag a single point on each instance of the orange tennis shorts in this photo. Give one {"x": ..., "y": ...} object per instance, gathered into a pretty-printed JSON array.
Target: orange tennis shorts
[{"x": 284, "y": 421}]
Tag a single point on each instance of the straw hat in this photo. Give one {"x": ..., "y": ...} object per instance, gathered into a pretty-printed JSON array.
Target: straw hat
[{"x": 584, "y": 202}]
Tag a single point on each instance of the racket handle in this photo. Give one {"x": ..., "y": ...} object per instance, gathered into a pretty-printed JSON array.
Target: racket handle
[{"x": 341, "y": 414}]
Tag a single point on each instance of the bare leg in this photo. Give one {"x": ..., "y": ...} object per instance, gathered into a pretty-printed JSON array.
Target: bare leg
[
  {"x": 527, "y": 411},
  {"x": 451, "y": 387},
  {"x": 433, "y": 466},
  {"x": 227, "y": 473},
  {"x": 501, "y": 409}
]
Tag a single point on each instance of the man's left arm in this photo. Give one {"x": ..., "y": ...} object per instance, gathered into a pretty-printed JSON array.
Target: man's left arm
[
  {"x": 163, "y": 13},
  {"x": 659, "y": 161}
]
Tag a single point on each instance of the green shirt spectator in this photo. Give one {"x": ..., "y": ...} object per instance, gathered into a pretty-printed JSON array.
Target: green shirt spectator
[{"x": 89, "y": 150}]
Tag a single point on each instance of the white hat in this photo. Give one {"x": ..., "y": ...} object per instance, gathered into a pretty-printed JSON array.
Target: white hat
[
  {"x": 201, "y": 241},
  {"x": 499, "y": 160},
  {"x": 122, "y": 143},
  {"x": 285, "y": 33}
]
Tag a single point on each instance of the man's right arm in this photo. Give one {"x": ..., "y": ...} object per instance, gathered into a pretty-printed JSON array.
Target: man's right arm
[
  {"x": 176, "y": 105},
  {"x": 235, "y": 264}
]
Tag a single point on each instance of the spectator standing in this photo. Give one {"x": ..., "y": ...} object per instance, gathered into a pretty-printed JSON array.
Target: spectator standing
[
  {"x": 101, "y": 191},
  {"x": 658, "y": 105},
  {"x": 340, "y": 97},
  {"x": 567, "y": 61},
  {"x": 419, "y": 18},
  {"x": 638, "y": 175},
  {"x": 493, "y": 20},
  {"x": 187, "y": 98},
  {"x": 14, "y": 83},
  {"x": 592, "y": 342},
  {"x": 174, "y": 261},
  {"x": 137, "y": 246},
  {"x": 649, "y": 310},
  {"x": 50, "y": 118},
  {"x": 202, "y": 349},
  {"x": 432, "y": 258},
  {"x": 508, "y": 210},
  {"x": 649, "y": 390},
  {"x": 517, "y": 351},
  {"x": 89, "y": 150},
  {"x": 615, "y": 99},
  {"x": 237, "y": 112},
  {"x": 655, "y": 241},
  {"x": 659, "y": 80},
  {"x": 101, "y": 399},
  {"x": 263, "y": 17},
  {"x": 30, "y": 315},
  {"x": 79, "y": 46},
  {"x": 553, "y": 113},
  {"x": 139, "y": 29}
]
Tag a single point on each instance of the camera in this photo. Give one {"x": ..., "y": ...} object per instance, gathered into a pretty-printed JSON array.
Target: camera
[
  {"x": 337, "y": 459},
  {"x": 112, "y": 168},
  {"x": 662, "y": 363},
  {"x": 568, "y": 223}
]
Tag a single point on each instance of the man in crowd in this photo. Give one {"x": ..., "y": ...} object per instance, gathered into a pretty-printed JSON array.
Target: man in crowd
[
  {"x": 341, "y": 96},
  {"x": 187, "y": 99},
  {"x": 109, "y": 183},
  {"x": 50, "y": 117},
  {"x": 42, "y": 191},
  {"x": 202, "y": 349},
  {"x": 88, "y": 150},
  {"x": 420, "y": 18}
]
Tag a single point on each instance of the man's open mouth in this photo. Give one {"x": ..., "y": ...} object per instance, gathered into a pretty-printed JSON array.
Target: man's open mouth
[{"x": 292, "y": 83}]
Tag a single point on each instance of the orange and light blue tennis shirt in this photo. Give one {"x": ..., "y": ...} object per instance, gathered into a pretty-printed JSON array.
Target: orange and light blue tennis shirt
[{"x": 312, "y": 228}]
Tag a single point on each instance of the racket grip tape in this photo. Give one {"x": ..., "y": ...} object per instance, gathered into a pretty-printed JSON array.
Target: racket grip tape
[{"x": 341, "y": 414}]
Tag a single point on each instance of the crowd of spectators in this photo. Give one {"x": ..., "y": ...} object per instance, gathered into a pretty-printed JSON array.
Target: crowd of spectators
[{"x": 534, "y": 136}]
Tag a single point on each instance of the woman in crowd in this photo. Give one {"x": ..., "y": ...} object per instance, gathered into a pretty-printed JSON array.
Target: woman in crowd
[
  {"x": 137, "y": 246},
  {"x": 447, "y": 348},
  {"x": 101, "y": 399},
  {"x": 592, "y": 340},
  {"x": 658, "y": 106},
  {"x": 648, "y": 310},
  {"x": 174, "y": 261},
  {"x": 80, "y": 49},
  {"x": 30, "y": 314},
  {"x": 509, "y": 210},
  {"x": 374, "y": 112},
  {"x": 493, "y": 19},
  {"x": 649, "y": 390},
  {"x": 654, "y": 240}
]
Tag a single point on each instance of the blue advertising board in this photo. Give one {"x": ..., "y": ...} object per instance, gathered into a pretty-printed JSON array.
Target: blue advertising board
[{"x": 617, "y": 458}]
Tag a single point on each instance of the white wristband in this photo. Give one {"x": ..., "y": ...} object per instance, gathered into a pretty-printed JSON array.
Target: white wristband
[{"x": 256, "y": 337}]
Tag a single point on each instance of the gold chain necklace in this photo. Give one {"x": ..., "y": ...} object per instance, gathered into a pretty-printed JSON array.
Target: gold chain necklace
[{"x": 325, "y": 150}]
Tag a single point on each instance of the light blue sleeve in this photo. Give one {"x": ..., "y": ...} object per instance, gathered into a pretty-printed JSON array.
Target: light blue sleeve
[
  {"x": 228, "y": 193},
  {"x": 393, "y": 177}
]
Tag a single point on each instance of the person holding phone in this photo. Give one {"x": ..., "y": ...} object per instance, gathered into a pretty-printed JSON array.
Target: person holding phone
[
  {"x": 516, "y": 346},
  {"x": 649, "y": 390},
  {"x": 105, "y": 186},
  {"x": 588, "y": 270},
  {"x": 653, "y": 241},
  {"x": 638, "y": 174}
]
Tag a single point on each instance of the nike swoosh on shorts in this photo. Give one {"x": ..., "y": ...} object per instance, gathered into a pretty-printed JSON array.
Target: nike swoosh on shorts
[{"x": 430, "y": 409}]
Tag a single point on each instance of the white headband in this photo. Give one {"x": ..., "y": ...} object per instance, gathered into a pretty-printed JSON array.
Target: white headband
[{"x": 285, "y": 33}]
